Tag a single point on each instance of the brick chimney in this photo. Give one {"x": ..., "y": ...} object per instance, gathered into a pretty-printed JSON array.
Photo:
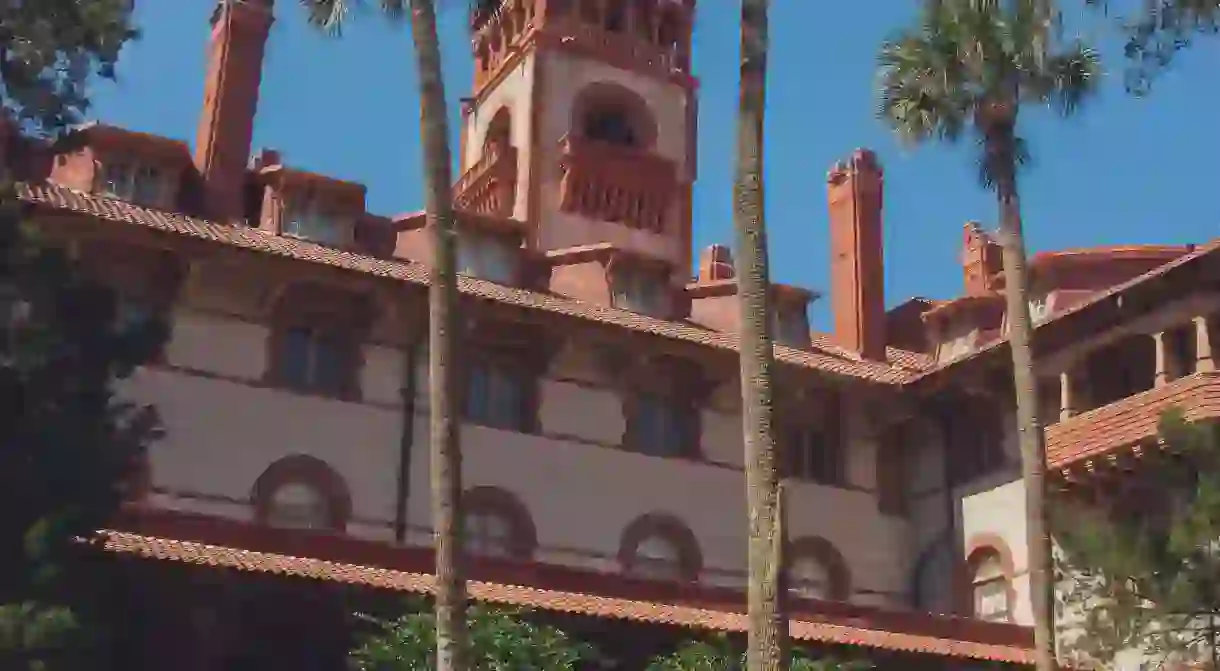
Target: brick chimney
[
  {"x": 230, "y": 100},
  {"x": 857, "y": 267},
  {"x": 716, "y": 263},
  {"x": 981, "y": 260}
]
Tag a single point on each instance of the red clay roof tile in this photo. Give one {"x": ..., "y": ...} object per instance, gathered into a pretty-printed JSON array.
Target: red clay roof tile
[
  {"x": 188, "y": 552},
  {"x": 65, "y": 199}
]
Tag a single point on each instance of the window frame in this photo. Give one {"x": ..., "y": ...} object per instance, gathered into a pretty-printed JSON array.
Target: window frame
[
  {"x": 487, "y": 257},
  {"x": 306, "y": 216},
  {"x": 499, "y": 366},
  {"x": 679, "y": 419},
  {"x": 640, "y": 290}
]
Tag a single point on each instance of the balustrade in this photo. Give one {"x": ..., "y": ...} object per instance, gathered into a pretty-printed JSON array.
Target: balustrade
[{"x": 612, "y": 183}]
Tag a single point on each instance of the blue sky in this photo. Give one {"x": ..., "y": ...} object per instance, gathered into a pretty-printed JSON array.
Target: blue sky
[{"x": 1125, "y": 171}]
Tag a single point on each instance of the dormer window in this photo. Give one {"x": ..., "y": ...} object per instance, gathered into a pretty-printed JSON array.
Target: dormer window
[
  {"x": 487, "y": 257},
  {"x": 307, "y": 219},
  {"x": 641, "y": 291},
  {"x": 791, "y": 327},
  {"x": 133, "y": 182}
]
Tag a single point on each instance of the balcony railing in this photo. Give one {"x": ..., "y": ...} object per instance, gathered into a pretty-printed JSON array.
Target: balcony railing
[
  {"x": 628, "y": 49},
  {"x": 1132, "y": 420},
  {"x": 612, "y": 183},
  {"x": 489, "y": 187}
]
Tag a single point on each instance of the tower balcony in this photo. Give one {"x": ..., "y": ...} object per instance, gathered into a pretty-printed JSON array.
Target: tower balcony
[
  {"x": 489, "y": 187},
  {"x": 644, "y": 47},
  {"x": 609, "y": 182}
]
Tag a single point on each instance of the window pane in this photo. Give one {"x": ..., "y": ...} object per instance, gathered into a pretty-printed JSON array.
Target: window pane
[
  {"x": 116, "y": 180},
  {"x": 809, "y": 578},
  {"x": 330, "y": 365},
  {"x": 991, "y": 600},
  {"x": 294, "y": 355},
  {"x": 505, "y": 401},
  {"x": 488, "y": 534},
  {"x": 478, "y": 391},
  {"x": 298, "y": 506},
  {"x": 657, "y": 557},
  {"x": 148, "y": 186}
]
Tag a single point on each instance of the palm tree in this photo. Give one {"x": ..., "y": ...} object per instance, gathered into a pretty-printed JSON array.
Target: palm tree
[
  {"x": 768, "y": 635},
  {"x": 444, "y": 424},
  {"x": 969, "y": 66},
  {"x": 1160, "y": 30}
]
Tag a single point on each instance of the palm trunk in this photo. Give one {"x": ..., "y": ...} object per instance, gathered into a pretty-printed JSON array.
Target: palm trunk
[
  {"x": 446, "y": 455},
  {"x": 768, "y": 633},
  {"x": 1030, "y": 437}
]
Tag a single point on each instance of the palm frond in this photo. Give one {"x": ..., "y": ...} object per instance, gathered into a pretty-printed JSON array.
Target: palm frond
[{"x": 330, "y": 16}]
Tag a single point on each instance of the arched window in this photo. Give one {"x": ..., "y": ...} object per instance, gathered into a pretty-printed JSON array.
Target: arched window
[
  {"x": 990, "y": 586},
  {"x": 809, "y": 578},
  {"x": 610, "y": 124},
  {"x": 301, "y": 492},
  {"x": 816, "y": 570},
  {"x": 660, "y": 547},
  {"x": 614, "y": 114},
  {"x": 496, "y": 524},
  {"x": 298, "y": 505}
]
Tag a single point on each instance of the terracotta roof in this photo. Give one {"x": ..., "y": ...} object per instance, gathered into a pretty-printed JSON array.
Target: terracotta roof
[
  {"x": 188, "y": 552},
  {"x": 1094, "y": 299},
  {"x": 108, "y": 209}
]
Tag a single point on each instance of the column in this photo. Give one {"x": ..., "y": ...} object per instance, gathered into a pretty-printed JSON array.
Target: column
[
  {"x": 1160, "y": 341},
  {"x": 1205, "y": 362},
  {"x": 1066, "y": 396}
]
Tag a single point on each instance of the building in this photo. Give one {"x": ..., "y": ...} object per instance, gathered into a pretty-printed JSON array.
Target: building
[{"x": 601, "y": 443}]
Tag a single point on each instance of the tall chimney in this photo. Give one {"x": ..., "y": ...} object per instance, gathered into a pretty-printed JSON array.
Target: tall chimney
[
  {"x": 857, "y": 267},
  {"x": 981, "y": 260},
  {"x": 230, "y": 100}
]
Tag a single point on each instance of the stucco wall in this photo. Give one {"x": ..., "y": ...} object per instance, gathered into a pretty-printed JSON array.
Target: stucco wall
[
  {"x": 514, "y": 92},
  {"x": 564, "y": 77},
  {"x": 225, "y": 427}
]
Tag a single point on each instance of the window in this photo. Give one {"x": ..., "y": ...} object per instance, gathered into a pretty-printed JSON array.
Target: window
[
  {"x": 612, "y": 125},
  {"x": 791, "y": 327},
  {"x": 640, "y": 291},
  {"x": 975, "y": 438},
  {"x": 297, "y": 505},
  {"x": 814, "y": 454},
  {"x": 657, "y": 557},
  {"x": 306, "y": 219},
  {"x": 311, "y": 360},
  {"x": 488, "y": 534},
  {"x": 487, "y": 257},
  {"x": 495, "y": 397},
  {"x": 990, "y": 588},
  {"x": 661, "y": 427},
  {"x": 807, "y": 577},
  {"x": 134, "y": 182}
]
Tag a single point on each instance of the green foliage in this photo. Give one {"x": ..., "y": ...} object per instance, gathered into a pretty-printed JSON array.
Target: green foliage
[
  {"x": 67, "y": 444},
  {"x": 500, "y": 640},
  {"x": 1157, "y": 32},
  {"x": 48, "y": 51},
  {"x": 1145, "y": 573},
  {"x": 717, "y": 653},
  {"x": 966, "y": 59}
]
